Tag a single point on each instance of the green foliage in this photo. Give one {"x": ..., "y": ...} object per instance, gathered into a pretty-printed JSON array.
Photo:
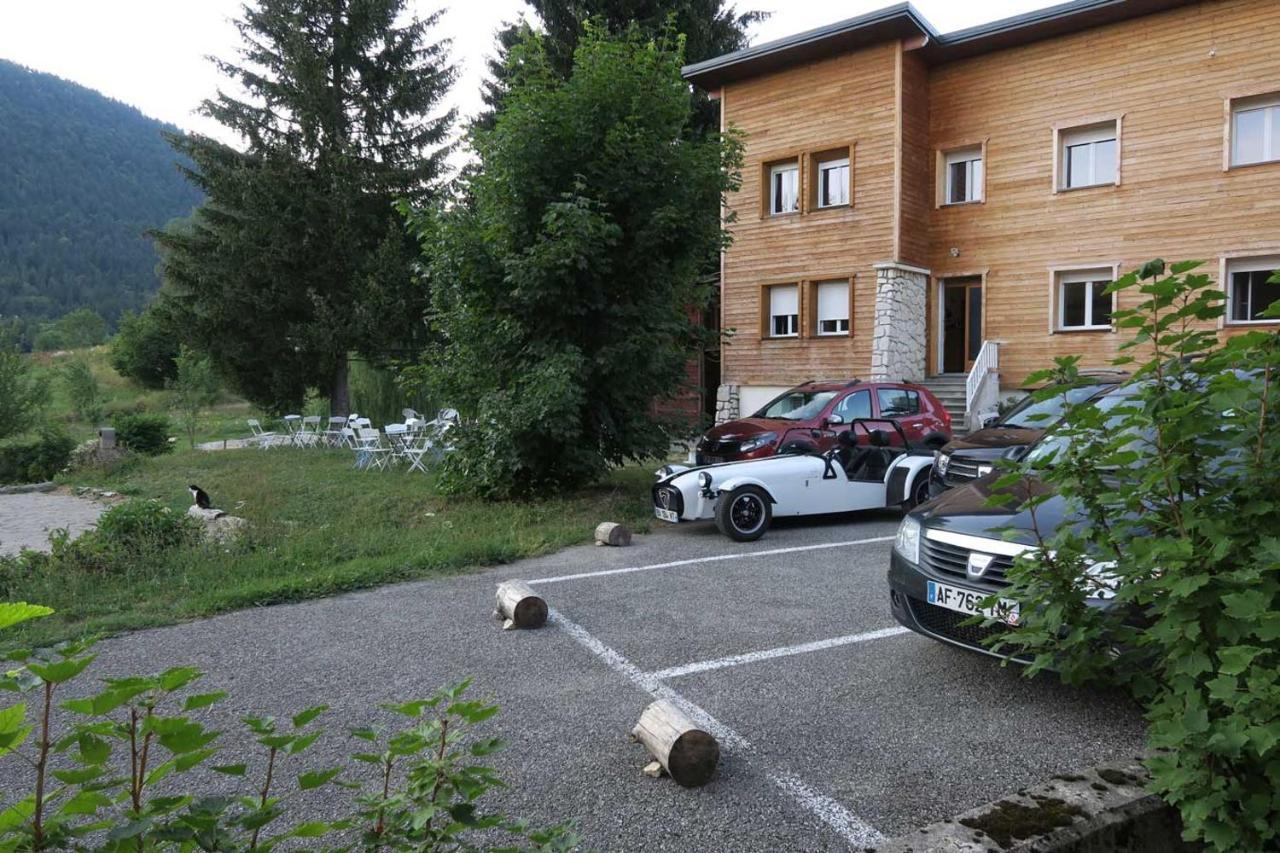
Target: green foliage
[
  {"x": 144, "y": 525},
  {"x": 298, "y": 257},
  {"x": 84, "y": 177},
  {"x": 423, "y": 793},
  {"x": 562, "y": 291},
  {"x": 377, "y": 393},
  {"x": 143, "y": 433},
  {"x": 1178, "y": 493},
  {"x": 82, "y": 389},
  {"x": 195, "y": 388},
  {"x": 145, "y": 348},
  {"x": 34, "y": 459},
  {"x": 22, "y": 394},
  {"x": 79, "y": 329}
]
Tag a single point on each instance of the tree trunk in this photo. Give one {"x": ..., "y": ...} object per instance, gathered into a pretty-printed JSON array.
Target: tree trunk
[
  {"x": 340, "y": 392},
  {"x": 686, "y": 752},
  {"x": 520, "y": 606}
]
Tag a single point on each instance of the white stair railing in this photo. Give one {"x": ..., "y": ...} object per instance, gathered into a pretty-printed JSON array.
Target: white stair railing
[{"x": 982, "y": 386}]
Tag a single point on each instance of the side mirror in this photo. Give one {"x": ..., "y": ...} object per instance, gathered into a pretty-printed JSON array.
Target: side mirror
[{"x": 835, "y": 420}]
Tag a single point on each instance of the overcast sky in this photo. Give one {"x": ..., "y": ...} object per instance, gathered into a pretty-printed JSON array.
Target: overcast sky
[{"x": 151, "y": 53}]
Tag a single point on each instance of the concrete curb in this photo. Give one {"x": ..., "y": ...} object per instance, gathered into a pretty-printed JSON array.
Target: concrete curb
[
  {"x": 1105, "y": 808},
  {"x": 27, "y": 488}
]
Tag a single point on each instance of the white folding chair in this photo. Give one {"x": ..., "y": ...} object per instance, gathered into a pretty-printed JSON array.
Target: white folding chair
[
  {"x": 333, "y": 434},
  {"x": 260, "y": 436},
  {"x": 370, "y": 451},
  {"x": 310, "y": 435},
  {"x": 292, "y": 429}
]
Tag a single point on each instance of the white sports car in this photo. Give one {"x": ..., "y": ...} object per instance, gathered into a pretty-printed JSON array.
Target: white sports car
[{"x": 743, "y": 497}]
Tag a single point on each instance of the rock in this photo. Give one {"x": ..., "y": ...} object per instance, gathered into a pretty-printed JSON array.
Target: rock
[{"x": 219, "y": 527}]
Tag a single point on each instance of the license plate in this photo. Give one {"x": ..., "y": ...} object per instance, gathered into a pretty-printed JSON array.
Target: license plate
[
  {"x": 969, "y": 601},
  {"x": 666, "y": 514}
]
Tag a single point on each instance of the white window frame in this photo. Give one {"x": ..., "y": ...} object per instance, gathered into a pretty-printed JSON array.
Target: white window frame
[
  {"x": 846, "y": 320},
  {"x": 825, "y": 166},
  {"x": 975, "y": 171},
  {"x": 774, "y": 201},
  {"x": 1089, "y": 276},
  {"x": 1091, "y": 134},
  {"x": 1267, "y": 104},
  {"x": 794, "y": 323},
  {"x": 1255, "y": 263}
]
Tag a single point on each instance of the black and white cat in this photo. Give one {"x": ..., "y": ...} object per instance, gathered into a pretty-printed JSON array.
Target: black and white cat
[{"x": 200, "y": 497}]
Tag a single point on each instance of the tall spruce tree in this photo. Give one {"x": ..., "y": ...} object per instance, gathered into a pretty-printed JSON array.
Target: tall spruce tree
[
  {"x": 298, "y": 257},
  {"x": 710, "y": 28}
]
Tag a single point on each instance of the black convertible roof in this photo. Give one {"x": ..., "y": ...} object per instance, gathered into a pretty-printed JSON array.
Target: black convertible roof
[{"x": 904, "y": 21}]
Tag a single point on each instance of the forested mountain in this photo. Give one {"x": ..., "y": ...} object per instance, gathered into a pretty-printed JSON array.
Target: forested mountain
[{"x": 82, "y": 177}]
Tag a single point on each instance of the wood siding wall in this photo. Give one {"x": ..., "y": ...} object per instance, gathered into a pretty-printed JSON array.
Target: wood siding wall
[{"x": 1167, "y": 77}]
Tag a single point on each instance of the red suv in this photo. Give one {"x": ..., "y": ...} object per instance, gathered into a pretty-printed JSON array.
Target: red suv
[{"x": 810, "y": 416}]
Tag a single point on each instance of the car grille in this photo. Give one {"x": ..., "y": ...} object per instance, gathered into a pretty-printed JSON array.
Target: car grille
[
  {"x": 947, "y": 559},
  {"x": 950, "y": 624},
  {"x": 674, "y": 501},
  {"x": 961, "y": 470},
  {"x": 719, "y": 448}
]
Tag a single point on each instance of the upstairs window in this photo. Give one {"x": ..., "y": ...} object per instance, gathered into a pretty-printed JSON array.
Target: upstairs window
[
  {"x": 833, "y": 182},
  {"x": 784, "y": 188},
  {"x": 784, "y": 311},
  {"x": 1088, "y": 156},
  {"x": 963, "y": 175},
  {"x": 1083, "y": 303},
  {"x": 1249, "y": 292},
  {"x": 1255, "y": 130},
  {"x": 833, "y": 308}
]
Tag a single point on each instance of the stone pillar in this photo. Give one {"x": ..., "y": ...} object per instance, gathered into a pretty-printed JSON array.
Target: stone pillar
[
  {"x": 728, "y": 403},
  {"x": 898, "y": 344}
]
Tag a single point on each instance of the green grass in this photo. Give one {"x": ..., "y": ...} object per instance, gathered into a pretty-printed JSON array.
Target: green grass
[{"x": 319, "y": 527}]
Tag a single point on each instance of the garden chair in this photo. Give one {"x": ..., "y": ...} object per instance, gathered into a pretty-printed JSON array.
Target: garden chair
[
  {"x": 260, "y": 436},
  {"x": 333, "y": 434},
  {"x": 417, "y": 448},
  {"x": 310, "y": 435},
  {"x": 398, "y": 439},
  {"x": 292, "y": 429},
  {"x": 370, "y": 451},
  {"x": 347, "y": 438}
]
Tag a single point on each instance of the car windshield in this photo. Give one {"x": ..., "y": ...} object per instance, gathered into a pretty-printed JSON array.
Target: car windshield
[
  {"x": 1047, "y": 449},
  {"x": 796, "y": 405},
  {"x": 1042, "y": 414}
]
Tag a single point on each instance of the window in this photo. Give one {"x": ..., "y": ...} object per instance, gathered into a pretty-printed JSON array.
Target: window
[
  {"x": 1248, "y": 293},
  {"x": 784, "y": 311},
  {"x": 1255, "y": 131},
  {"x": 897, "y": 402},
  {"x": 784, "y": 188},
  {"x": 856, "y": 405},
  {"x": 963, "y": 176},
  {"x": 1088, "y": 156},
  {"x": 833, "y": 308},
  {"x": 1082, "y": 300},
  {"x": 833, "y": 182}
]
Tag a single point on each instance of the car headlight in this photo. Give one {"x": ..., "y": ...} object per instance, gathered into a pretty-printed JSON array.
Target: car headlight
[
  {"x": 704, "y": 480},
  {"x": 907, "y": 543},
  {"x": 756, "y": 442},
  {"x": 943, "y": 460},
  {"x": 984, "y": 470},
  {"x": 662, "y": 473}
]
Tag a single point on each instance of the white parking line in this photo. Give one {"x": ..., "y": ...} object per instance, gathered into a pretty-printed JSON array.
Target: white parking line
[
  {"x": 780, "y": 652},
  {"x": 849, "y": 826},
  {"x": 717, "y": 558}
]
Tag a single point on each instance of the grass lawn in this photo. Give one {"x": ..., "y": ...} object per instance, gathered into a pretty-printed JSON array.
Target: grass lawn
[{"x": 318, "y": 527}]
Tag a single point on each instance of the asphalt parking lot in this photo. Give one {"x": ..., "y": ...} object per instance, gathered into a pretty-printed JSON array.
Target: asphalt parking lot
[{"x": 837, "y": 727}]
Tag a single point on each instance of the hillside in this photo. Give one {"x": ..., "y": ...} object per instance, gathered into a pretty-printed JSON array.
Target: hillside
[{"x": 82, "y": 177}]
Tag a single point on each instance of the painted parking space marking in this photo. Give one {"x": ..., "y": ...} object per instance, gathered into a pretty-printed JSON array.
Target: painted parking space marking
[
  {"x": 780, "y": 652},
  {"x": 849, "y": 826},
  {"x": 713, "y": 559}
]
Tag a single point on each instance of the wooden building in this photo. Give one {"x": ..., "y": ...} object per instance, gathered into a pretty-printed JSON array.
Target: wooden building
[{"x": 948, "y": 208}]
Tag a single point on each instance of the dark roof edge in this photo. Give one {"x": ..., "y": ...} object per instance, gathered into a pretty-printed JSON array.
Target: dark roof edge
[{"x": 1027, "y": 27}]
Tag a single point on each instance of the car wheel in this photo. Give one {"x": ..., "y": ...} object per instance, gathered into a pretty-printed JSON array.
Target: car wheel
[
  {"x": 919, "y": 491},
  {"x": 744, "y": 514}
]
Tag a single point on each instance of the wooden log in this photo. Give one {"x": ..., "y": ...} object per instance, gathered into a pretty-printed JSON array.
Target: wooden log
[
  {"x": 686, "y": 752},
  {"x": 612, "y": 533},
  {"x": 520, "y": 606}
]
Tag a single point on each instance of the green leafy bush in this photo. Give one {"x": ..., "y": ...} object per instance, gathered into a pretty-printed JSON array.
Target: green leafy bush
[
  {"x": 144, "y": 525},
  {"x": 144, "y": 349},
  {"x": 82, "y": 388},
  {"x": 143, "y": 433},
  {"x": 21, "y": 395},
  {"x": 35, "y": 459},
  {"x": 415, "y": 788},
  {"x": 1178, "y": 492}
]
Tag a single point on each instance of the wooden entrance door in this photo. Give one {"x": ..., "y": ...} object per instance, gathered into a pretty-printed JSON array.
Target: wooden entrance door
[{"x": 961, "y": 323}]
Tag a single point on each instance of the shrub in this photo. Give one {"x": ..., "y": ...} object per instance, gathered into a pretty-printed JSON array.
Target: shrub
[
  {"x": 34, "y": 460},
  {"x": 1178, "y": 492},
  {"x": 417, "y": 788},
  {"x": 144, "y": 525},
  {"x": 82, "y": 388},
  {"x": 21, "y": 396},
  {"x": 143, "y": 433},
  {"x": 194, "y": 389},
  {"x": 144, "y": 349}
]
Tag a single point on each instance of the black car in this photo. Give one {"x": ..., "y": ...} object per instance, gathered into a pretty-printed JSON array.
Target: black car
[
  {"x": 953, "y": 552},
  {"x": 963, "y": 460}
]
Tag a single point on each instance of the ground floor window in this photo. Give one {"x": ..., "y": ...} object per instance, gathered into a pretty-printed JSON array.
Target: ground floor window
[
  {"x": 1249, "y": 293},
  {"x": 1083, "y": 302}
]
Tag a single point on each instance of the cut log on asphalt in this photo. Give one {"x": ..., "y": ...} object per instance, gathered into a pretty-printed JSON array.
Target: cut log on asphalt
[
  {"x": 520, "y": 606},
  {"x": 612, "y": 533},
  {"x": 686, "y": 752}
]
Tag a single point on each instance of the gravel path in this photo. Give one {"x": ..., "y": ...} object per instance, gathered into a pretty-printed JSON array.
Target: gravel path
[{"x": 25, "y": 520}]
